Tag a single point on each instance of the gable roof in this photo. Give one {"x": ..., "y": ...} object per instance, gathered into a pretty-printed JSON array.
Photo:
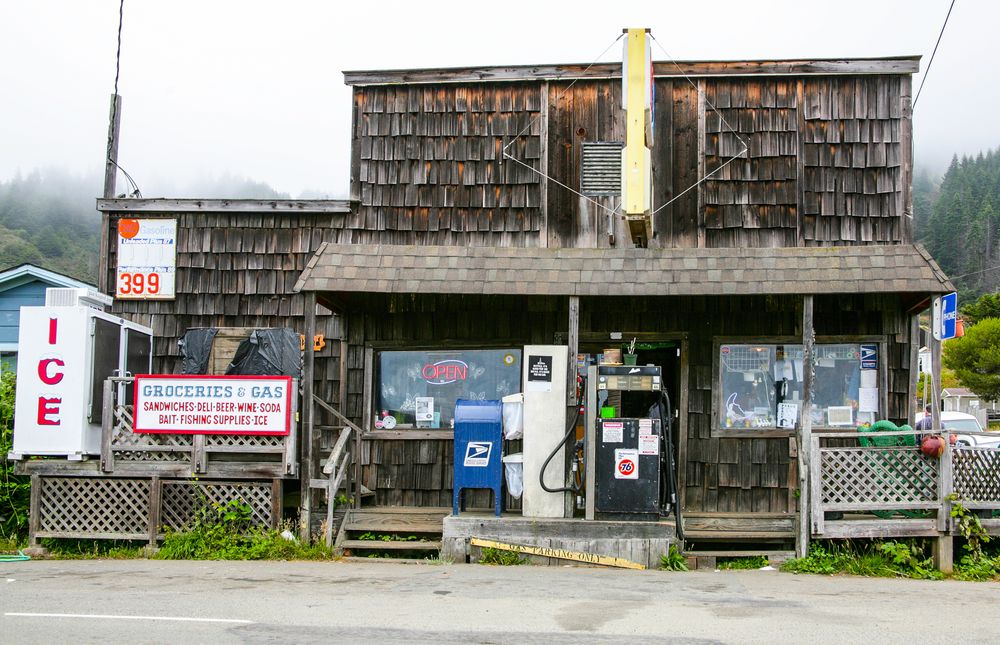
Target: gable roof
[
  {"x": 24, "y": 273},
  {"x": 900, "y": 268}
]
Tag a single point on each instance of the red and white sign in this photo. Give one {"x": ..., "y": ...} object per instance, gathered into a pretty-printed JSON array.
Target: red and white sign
[
  {"x": 147, "y": 259},
  {"x": 626, "y": 464},
  {"x": 246, "y": 405}
]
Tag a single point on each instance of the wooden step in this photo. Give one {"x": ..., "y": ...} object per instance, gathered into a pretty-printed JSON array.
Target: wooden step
[
  {"x": 379, "y": 545},
  {"x": 379, "y": 521},
  {"x": 735, "y": 536},
  {"x": 782, "y": 555}
]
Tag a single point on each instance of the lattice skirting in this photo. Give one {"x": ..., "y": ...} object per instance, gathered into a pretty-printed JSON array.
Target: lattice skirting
[
  {"x": 976, "y": 474},
  {"x": 182, "y": 500},
  {"x": 877, "y": 476},
  {"x": 84, "y": 507},
  {"x": 137, "y": 508}
]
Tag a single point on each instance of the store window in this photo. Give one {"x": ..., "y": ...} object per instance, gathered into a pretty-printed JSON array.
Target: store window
[
  {"x": 761, "y": 385},
  {"x": 418, "y": 389}
]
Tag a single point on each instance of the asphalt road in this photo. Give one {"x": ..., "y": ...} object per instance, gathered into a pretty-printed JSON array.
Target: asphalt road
[{"x": 378, "y": 602}]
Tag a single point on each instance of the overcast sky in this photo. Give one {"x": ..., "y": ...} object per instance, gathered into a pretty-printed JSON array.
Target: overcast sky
[{"x": 254, "y": 88}]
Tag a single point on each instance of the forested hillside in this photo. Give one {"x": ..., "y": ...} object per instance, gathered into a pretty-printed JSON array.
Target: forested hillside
[
  {"x": 49, "y": 218},
  {"x": 959, "y": 222}
]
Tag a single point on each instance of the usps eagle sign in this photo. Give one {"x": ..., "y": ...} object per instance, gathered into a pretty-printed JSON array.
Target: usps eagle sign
[{"x": 246, "y": 405}]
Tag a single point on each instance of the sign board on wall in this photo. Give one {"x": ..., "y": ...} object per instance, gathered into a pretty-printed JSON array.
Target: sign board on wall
[
  {"x": 246, "y": 405},
  {"x": 944, "y": 315},
  {"x": 147, "y": 259}
]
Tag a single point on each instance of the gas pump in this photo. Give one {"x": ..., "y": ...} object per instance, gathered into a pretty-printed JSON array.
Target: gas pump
[
  {"x": 630, "y": 472},
  {"x": 628, "y": 469}
]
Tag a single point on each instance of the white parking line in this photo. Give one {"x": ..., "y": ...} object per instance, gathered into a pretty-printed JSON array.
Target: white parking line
[{"x": 114, "y": 617}]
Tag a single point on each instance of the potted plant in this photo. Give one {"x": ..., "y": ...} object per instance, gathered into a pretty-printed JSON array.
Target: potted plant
[{"x": 630, "y": 357}]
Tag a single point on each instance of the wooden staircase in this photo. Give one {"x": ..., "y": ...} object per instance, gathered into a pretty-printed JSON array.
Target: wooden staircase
[
  {"x": 709, "y": 536},
  {"x": 396, "y": 532}
]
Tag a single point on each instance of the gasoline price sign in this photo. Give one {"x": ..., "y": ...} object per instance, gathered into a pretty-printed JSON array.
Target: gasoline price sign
[{"x": 147, "y": 258}]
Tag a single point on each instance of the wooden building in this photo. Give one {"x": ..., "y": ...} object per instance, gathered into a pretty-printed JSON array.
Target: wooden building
[{"x": 448, "y": 244}]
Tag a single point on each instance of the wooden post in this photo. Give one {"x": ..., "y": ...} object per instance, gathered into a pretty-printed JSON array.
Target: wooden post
[
  {"x": 805, "y": 426},
  {"x": 543, "y": 164},
  {"x": 700, "y": 194},
  {"x": 943, "y": 556},
  {"x": 199, "y": 458},
  {"x": 911, "y": 389},
  {"x": 110, "y": 175},
  {"x": 155, "y": 508},
  {"x": 34, "y": 509},
  {"x": 108, "y": 427},
  {"x": 277, "y": 499},
  {"x": 815, "y": 492},
  {"x": 935, "y": 346},
  {"x": 307, "y": 468},
  {"x": 573, "y": 340}
]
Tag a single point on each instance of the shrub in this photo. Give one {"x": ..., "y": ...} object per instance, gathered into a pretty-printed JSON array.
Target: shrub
[
  {"x": 14, "y": 489},
  {"x": 226, "y": 532}
]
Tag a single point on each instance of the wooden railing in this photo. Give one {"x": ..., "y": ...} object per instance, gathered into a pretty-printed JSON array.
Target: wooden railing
[
  {"x": 909, "y": 493},
  {"x": 338, "y": 464},
  {"x": 124, "y": 452}
]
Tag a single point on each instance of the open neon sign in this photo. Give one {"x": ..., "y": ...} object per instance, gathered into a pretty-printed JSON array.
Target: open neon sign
[{"x": 445, "y": 372}]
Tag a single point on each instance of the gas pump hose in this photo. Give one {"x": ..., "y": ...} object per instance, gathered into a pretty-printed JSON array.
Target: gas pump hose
[
  {"x": 541, "y": 474},
  {"x": 667, "y": 460}
]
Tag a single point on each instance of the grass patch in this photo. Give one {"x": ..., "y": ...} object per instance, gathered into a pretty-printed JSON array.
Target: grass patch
[
  {"x": 748, "y": 562},
  {"x": 63, "y": 549},
  {"x": 673, "y": 560},
  {"x": 905, "y": 559},
  {"x": 11, "y": 544},
  {"x": 501, "y": 557},
  {"x": 226, "y": 532}
]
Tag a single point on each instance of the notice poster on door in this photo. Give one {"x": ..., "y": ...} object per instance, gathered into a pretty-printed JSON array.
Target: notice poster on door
[
  {"x": 539, "y": 374},
  {"x": 649, "y": 444}
]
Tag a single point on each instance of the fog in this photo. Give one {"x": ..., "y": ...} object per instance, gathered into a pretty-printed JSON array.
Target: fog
[{"x": 253, "y": 89}]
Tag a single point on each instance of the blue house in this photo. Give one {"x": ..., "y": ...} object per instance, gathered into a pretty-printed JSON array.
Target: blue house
[{"x": 20, "y": 286}]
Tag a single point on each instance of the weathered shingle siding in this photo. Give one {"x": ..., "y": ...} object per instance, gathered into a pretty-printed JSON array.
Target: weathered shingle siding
[
  {"x": 237, "y": 270},
  {"x": 429, "y": 165},
  {"x": 826, "y": 164},
  {"x": 853, "y": 159}
]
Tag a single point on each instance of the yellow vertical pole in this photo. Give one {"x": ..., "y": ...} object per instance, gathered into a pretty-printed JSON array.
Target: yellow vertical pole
[{"x": 636, "y": 163}]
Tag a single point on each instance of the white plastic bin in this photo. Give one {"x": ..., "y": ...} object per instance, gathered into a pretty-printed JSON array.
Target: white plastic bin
[
  {"x": 513, "y": 416},
  {"x": 513, "y": 467}
]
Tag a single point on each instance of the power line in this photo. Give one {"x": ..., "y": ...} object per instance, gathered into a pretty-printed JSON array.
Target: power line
[
  {"x": 931, "y": 61},
  {"x": 531, "y": 123},
  {"x": 965, "y": 275},
  {"x": 114, "y": 104},
  {"x": 746, "y": 145}
]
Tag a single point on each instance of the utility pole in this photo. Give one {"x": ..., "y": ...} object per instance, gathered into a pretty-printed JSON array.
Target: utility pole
[{"x": 110, "y": 176}]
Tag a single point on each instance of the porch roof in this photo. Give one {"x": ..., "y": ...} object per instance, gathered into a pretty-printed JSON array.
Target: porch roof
[{"x": 383, "y": 268}]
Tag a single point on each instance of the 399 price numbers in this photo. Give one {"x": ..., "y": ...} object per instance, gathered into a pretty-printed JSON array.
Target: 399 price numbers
[{"x": 138, "y": 284}]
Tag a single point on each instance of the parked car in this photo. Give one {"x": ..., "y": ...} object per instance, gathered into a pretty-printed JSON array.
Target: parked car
[{"x": 959, "y": 421}]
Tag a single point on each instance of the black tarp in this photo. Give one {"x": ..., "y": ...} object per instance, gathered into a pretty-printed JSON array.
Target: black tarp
[
  {"x": 274, "y": 351},
  {"x": 196, "y": 346}
]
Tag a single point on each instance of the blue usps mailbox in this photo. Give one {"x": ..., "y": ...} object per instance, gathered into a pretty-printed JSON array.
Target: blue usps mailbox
[{"x": 478, "y": 435}]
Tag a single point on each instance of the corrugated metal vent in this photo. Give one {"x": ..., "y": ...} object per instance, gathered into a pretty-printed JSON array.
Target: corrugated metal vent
[
  {"x": 601, "y": 168},
  {"x": 76, "y": 297}
]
